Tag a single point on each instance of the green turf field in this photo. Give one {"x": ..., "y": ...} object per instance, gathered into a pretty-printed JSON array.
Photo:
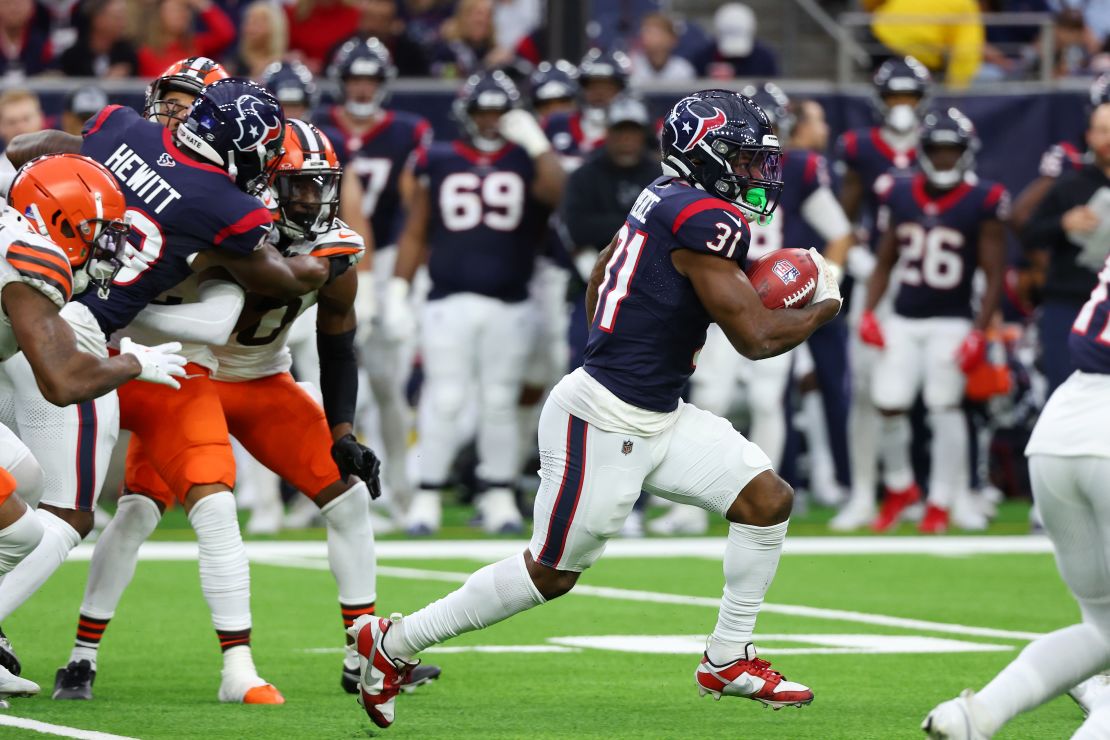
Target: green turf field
[{"x": 589, "y": 671}]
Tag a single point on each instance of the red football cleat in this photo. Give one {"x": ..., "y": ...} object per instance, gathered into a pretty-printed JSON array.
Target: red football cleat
[
  {"x": 750, "y": 678},
  {"x": 935, "y": 520},
  {"x": 381, "y": 676},
  {"x": 894, "y": 504}
]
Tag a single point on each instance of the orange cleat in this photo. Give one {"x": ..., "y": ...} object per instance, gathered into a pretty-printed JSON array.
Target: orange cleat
[
  {"x": 264, "y": 694},
  {"x": 935, "y": 521},
  {"x": 894, "y": 504}
]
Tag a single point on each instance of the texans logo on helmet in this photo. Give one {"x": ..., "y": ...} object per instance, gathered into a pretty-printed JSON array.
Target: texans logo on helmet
[
  {"x": 259, "y": 124},
  {"x": 691, "y": 120}
]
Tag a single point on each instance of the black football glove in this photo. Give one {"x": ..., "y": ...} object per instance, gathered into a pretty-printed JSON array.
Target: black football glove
[{"x": 358, "y": 460}]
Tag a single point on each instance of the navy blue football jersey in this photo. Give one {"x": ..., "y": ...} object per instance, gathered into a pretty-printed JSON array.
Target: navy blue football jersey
[
  {"x": 865, "y": 152},
  {"x": 378, "y": 157},
  {"x": 479, "y": 240},
  {"x": 177, "y": 207},
  {"x": 1089, "y": 343},
  {"x": 938, "y": 241},
  {"x": 803, "y": 174},
  {"x": 564, "y": 131},
  {"x": 649, "y": 324}
]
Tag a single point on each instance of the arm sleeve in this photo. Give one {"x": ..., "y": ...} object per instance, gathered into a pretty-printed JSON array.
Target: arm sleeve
[
  {"x": 338, "y": 376},
  {"x": 208, "y": 321}
]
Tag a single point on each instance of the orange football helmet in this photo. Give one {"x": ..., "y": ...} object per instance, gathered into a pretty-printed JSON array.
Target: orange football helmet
[
  {"x": 190, "y": 76},
  {"x": 306, "y": 182},
  {"x": 76, "y": 203}
]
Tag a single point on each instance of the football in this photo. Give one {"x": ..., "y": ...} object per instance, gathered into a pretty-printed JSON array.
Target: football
[{"x": 785, "y": 278}]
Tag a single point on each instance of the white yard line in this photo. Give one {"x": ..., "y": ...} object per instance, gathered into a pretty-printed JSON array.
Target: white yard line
[
  {"x": 691, "y": 547},
  {"x": 60, "y": 730}
]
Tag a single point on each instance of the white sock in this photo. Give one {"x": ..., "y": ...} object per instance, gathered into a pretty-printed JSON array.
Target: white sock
[
  {"x": 19, "y": 539},
  {"x": 224, "y": 573},
  {"x": 863, "y": 449},
  {"x": 894, "y": 452},
  {"x": 1045, "y": 669},
  {"x": 351, "y": 553},
  {"x": 58, "y": 538},
  {"x": 112, "y": 567},
  {"x": 950, "y": 472},
  {"x": 490, "y": 595},
  {"x": 1097, "y": 725},
  {"x": 238, "y": 673},
  {"x": 751, "y": 559}
]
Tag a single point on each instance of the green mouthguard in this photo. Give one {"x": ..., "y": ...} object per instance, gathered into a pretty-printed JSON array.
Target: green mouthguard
[{"x": 758, "y": 197}]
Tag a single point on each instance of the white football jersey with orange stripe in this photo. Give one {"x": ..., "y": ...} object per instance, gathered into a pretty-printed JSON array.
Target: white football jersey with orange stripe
[
  {"x": 29, "y": 258},
  {"x": 259, "y": 349}
]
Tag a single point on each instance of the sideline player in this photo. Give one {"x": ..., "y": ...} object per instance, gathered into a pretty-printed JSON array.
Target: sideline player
[
  {"x": 468, "y": 214},
  {"x": 1069, "y": 464},
  {"x": 574, "y": 133},
  {"x": 618, "y": 425},
  {"x": 188, "y": 211},
  {"x": 863, "y": 155},
  {"x": 939, "y": 226},
  {"x": 266, "y": 411}
]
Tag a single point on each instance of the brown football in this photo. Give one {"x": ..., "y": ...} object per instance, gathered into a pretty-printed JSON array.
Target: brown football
[{"x": 785, "y": 278}]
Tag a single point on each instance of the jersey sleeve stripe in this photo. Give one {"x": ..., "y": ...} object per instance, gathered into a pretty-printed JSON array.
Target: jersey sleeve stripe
[
  {"x": 47, "y": 274},
  {"x": 705, "y": 204},
  {"x": 810, "y": 173},
  {"x": 994, "y": 195},
  {"x": 254, "y": 219},
  {"x": 335, "y": 251},
  {"x": 31, "y": 250},
  {"x": 101, "y": 118}
]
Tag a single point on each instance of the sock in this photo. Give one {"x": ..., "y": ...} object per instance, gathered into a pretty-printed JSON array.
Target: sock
[
  {"x": 894, "y": 452},
  {"x": 351, "y": 552},
  {"x": 111, "y": 569},
  {"x": 751, "y": 559},
  {"x": 863, "y": 433},
  {"x": 58, "y": 538},
  {"x": 490, "y": 595},
  {"x": 950, "y": 472},
  {"x": 19, "y": 539},
  {"x": 224, "y": 572},
  {"x": 1046, "y": 668},
  {"x": 239, "y": 672}
]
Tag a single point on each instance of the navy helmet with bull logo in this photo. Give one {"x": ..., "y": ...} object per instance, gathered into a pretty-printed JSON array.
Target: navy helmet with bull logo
[
  {"x": 722, "y": 142},
  {"x": 236, "y": 125}
]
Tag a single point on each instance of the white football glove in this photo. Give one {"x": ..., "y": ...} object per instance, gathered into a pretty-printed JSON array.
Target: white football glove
[
  {"x": 521, "y": 128},
  {"x": 397, "y": 320},
  {"x": 160, "y": 364},
  {"x": 827, "y": 287}
]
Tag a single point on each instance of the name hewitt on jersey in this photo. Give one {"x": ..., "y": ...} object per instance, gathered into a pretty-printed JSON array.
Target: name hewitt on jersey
[{"x": 144, "y": 181}]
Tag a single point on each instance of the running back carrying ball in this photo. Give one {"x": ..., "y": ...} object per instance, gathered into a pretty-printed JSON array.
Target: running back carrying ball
[{"x": 785, "y": 278}]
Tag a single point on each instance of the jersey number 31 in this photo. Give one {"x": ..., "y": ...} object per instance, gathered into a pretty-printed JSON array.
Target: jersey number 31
[{"x": 614, "y": 289}]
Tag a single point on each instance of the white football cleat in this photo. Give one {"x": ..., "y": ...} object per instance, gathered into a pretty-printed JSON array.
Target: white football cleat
[
  {"x": 499, "y": 513},
  {"x": 750, "y": 678},
  {"x": 954, "y": 720},
  {"x": 424, "y": 515},
  {"x": 381, "y": 676},
  {"x": 1093, "y": 692},
  {"x": 681, "y": 519},
  {"x": 13, "y": 685},
  {"x": 966, "y": 513},
  {"x": 854, "y": 515},
  {"x": 249, "y": 691}
]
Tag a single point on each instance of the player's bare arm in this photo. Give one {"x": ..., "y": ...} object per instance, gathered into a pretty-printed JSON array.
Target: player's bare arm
[
  {"x": 413, "y": 241},
  {"x": 754, "y": 330},
  {"x": 25, "y": 147},
  {"x": 550, "y": 179},
  {"x": 851, "y": 194},
  {"x": 65, "y": 375},
  {"x": 992, "y": 261},
  {"x": 880, "y": 278},
  {"x": 266, "y": 272},
  {"x": 1025, "y": 205},
  {"x": 597, "y": 275},
  {"x": 350, "y": 212}
]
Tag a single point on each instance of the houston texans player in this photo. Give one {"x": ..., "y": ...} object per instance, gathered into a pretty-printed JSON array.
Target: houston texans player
[
  {"x": 553, "y": 88},
  {"x": 618, "y": 424},
  {"x": 375, "y": 145},
  {"x": 468, "y": 214},
  {"x": 188, "y": 211},
  {"x": 939, "y": 226},
  {"x": 602, "y": 76},
  {"x": 293, "y": 85},
  {"x": 863, "y": 155},
  {"x": 1069, "y": 464}
]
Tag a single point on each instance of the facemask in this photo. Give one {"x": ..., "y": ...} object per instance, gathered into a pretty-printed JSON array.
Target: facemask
[
  {"x": 901, "y": 118},
  {"x": 487, "y": 144},
  {"x": 361, "y": 110},
  {"x": 945, "y": 179}
]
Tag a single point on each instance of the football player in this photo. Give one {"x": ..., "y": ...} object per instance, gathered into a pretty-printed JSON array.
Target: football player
[
  {"x": 553, "y": 88},
  {"x": 379, "y": 143},
  {"x": 1069, "y": 463},
  {"x": 468, "y": 215},
  {"x": 265, "y": 410},
  {"x": 939, "y": 226},
  {"x": 619, "y": 425},
  {"x": 188, "y": 209},
  {"x": 169, "y": 96},
  {"x": 808, "y": 214},
  {"x": 863, "y": 155},
  {"x": 293, "y": 85},
  {"x": 602, "y": 76}
]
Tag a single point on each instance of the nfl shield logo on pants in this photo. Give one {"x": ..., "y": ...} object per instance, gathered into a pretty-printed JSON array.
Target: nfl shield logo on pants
[{"x": 626, "y": 448}]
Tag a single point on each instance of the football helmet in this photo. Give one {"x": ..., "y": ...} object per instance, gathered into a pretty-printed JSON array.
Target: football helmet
[
  {"x": 947, "y": 128},
  {"x": 363, "y": 59},
  {"x": 605, "y": 65},
  {"x": 306, "y": 182},
  {"x": 722, "y": 142},
  {"x": 901, "y": 77},
  {"x": 553, "y": 81},
  {"x": 190, "y": 76},
  {"x": 291, "y": 83},
  {"x": 76, "y": 203},
  {"x": 775, "y": 103},
  {"x": 238, "y": 126},
  {"x": 488, "y": 91}
]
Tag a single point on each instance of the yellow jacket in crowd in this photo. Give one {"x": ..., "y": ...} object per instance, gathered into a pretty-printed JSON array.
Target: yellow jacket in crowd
[{"x": 954, "y": 42}]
